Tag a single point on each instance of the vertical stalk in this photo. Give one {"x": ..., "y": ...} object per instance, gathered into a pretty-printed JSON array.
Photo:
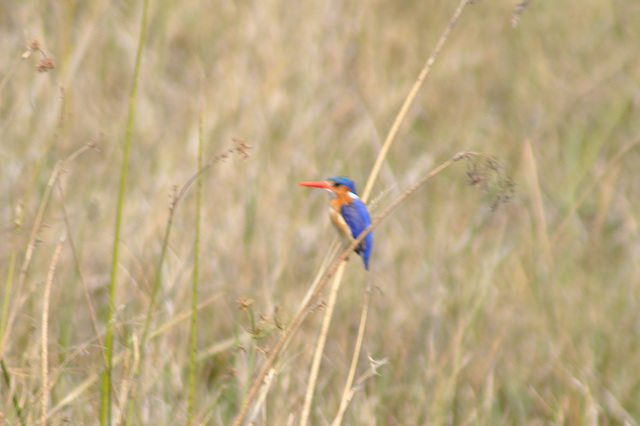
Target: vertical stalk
[
  {"x": 196, "y": 261},
  {"x": 322, "y": 338},
  {"x": 105, "y": 404},
  {"x": 44, "y": 392}
]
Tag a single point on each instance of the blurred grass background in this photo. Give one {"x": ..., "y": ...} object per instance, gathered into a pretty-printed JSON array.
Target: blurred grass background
[{"x": 527, "y": 315}]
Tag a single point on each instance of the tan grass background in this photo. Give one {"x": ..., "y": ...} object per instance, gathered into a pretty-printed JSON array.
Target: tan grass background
[{"x": 526, "y": 315}]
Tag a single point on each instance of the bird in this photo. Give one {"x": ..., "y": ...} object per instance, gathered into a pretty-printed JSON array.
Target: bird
[{"x": 348, "y": 213}]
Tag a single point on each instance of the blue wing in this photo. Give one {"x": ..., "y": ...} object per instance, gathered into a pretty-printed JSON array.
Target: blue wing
[{"x": 357, "y": 217}]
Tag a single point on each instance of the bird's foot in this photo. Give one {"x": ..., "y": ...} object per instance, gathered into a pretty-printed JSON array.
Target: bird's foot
[{"x": 344, "y": 257}]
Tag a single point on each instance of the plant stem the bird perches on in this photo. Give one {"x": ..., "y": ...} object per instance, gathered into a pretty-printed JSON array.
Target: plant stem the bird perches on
[
  {"x": 317, "y": 357},
  {"x": 409, "y": 100},
  {"x": 365, "y": 196},
  {"x": 297, "y": 319}
]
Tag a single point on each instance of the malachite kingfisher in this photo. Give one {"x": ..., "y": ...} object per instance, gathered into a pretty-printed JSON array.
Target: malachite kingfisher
[{"x": 348, "y": 214}]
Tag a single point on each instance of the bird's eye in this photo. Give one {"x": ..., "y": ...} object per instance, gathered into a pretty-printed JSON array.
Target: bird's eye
[{"x": 336, "y": 184}]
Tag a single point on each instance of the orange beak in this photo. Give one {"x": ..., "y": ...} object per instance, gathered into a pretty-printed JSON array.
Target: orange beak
[{"x": 317, "y": 184}]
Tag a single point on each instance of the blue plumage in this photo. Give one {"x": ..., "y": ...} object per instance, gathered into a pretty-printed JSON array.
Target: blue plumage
[
  {"x": 348, "y": 214},
  {"x": 357, "y": 217},
  {"x": 341, "y": 180}
]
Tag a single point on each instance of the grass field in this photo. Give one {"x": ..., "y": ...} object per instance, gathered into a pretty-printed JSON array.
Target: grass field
[{"x": 525, "y": 314}]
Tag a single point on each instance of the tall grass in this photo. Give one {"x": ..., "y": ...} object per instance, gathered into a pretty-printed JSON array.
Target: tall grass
[
  {"x": 524, "y": 315},
  {"x": 196, "y": 264},
  {"x": 105, "y": 405}
]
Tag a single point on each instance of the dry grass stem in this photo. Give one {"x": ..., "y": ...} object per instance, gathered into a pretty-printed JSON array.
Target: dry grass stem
[
  {"x": 44, "y": 392},
  {"x": 55, "y": 174},
  {"x": 588, "y": 190},
  {"x": 180, "y": 317},
  {"x": 374, "y": 365},
  {"x": 536, "y": 194},
  {"x": 518, "y": 11},
  {"x": 409, "y": 100},
  {"x": 240, "y": 149},
  {"x": 82, "y": 388},
  {"x": 80, "y": 272},
  {"x": 331, "y": 272},
  {"x": 126, "y": 382},
  {"x": 491, "y": 311},
  {"x": 365, "y": 196},
  {"x": 259, "y": 406},
  {"x": 322, "y": 338},
  {"x": 348, "y": 393}
]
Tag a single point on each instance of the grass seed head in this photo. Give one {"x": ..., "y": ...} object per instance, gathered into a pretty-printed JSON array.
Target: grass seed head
[
  {"x": 490, "y": 175},
  {"x": 47, "y": 63}
]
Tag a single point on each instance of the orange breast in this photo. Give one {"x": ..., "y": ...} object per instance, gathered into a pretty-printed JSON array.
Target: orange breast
[{"x": 337, "y": 219}]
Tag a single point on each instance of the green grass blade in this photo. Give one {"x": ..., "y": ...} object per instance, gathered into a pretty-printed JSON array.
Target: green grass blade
[
  {"x": 105, "y": 403},
  {"x": 196, "y": 258}
]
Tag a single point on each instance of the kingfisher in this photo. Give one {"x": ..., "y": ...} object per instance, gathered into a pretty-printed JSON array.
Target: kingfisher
[{"x": 348, "y": 214}]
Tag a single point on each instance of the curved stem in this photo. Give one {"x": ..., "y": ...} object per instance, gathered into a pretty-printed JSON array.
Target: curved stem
[
  {"x": 409, "y": 100},
  {"x": 299, "y": 316}
]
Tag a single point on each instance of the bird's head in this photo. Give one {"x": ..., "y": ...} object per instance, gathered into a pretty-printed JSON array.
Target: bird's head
[{"x": 337, "y": 185}]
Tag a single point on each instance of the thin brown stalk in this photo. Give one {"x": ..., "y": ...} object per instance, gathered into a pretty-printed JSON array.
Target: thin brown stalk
[
  {"x": 537, "y": 201},
  {"x": 347, "y": 393},
  {"x": 309, "y": 297},
  {"x": 44, "y": 395},
  {"x": 262, "y": 396},
  {"x": 29, "y": 254},
  {"x": 322, "y": 338},
  {"x": 126, "y": 383},
  {"x": 367, "y": 192},
  {"x": 241, "y": 149},
  {"x": 297, "y": 319},
  {"x": 588, "y": 190},
  {"x": 181, "y": 316},
  {"x": 83, "y": 282},
  {"x": 83, "y": 387},
  {"x": 409, "y": 100},
  {"x": 60, "y": 168},
  {"x": 18, "y": 224}
]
